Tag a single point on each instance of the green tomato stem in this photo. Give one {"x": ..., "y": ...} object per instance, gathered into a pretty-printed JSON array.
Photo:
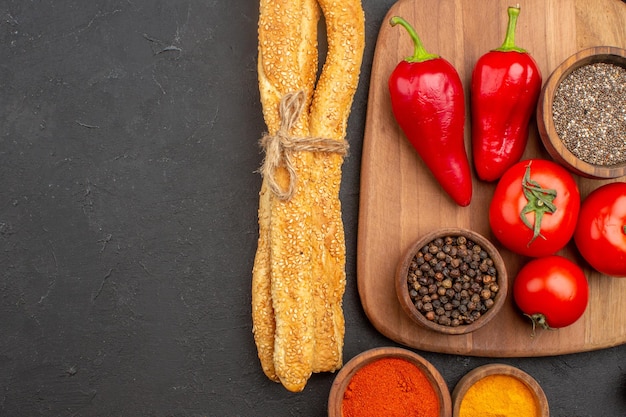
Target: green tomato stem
[
  {"x": 419, "y": 52},
  {"x": 540, "y": 201},
  {"x": 538, "y": 319},
  {"x": 509, "y": 39}
]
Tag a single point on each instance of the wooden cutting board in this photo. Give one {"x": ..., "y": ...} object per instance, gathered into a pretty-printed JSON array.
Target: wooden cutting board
[{"x": 400, "y": 200}]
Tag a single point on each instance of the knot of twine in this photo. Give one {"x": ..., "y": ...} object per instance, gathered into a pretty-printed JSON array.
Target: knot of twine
[{"x": 280, "y": 147}]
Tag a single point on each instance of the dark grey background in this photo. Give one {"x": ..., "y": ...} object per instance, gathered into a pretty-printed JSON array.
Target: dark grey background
[{"x": 128, "y": 200}]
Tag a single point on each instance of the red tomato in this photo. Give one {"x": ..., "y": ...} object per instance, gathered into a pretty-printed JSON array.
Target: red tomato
[
  {"x": 552, "y": 291},
  {"x": 534, "y": 208},
  {"x": 601, "y": 231}
]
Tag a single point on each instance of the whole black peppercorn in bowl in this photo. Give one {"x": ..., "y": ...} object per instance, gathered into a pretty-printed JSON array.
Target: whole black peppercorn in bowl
[
  {"x": 581, "y": 113},
  {"x": 452, "y": 281}
]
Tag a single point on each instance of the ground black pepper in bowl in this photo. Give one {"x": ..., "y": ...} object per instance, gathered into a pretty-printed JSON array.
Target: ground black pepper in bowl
[
  {"x": 589, "y": 112},
  {"x": 451, "y": 280},
  {"x": 581, "y": 113}
]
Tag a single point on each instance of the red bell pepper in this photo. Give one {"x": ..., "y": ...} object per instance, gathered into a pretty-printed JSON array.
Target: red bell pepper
[
  {"x": 506, "y": 83},
  {"x": 428, "y": 103}
]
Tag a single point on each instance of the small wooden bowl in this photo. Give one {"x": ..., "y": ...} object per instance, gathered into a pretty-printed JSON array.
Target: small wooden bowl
[
  {"x": 342, "y": 380},
  {"x": 481, "y": 372},
  {"x": 402, "y": 290},
  {"x": 545, "y": 122}
]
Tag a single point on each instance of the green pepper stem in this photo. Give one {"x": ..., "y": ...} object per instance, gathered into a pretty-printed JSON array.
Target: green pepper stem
[
  {"x": 419, "y": 53},
  {"x": 509, "y": 39}
]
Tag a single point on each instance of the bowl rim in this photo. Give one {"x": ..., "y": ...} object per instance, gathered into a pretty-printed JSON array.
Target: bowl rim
[
  {"x": 345, "y": 374},
  {"x": 545, "y": 121},
  {"x": 476, "y": 374},
  {"x": 404, "y": 298}
]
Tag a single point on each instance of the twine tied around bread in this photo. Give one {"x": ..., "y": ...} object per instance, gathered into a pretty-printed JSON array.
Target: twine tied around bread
[{"x": 280, "y": 147}]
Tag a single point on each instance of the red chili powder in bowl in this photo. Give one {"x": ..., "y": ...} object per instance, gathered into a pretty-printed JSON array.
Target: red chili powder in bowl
[{"x": 390, "y": 387}]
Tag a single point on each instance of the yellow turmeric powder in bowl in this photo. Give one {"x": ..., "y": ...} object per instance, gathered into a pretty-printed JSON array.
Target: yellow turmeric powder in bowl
[
  {"x": 499, "y": 395},
  {"x": 499, "y": 390}
]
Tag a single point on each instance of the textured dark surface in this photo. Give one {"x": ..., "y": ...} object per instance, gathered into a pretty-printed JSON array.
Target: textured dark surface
[{"x": 128, "y": 225}]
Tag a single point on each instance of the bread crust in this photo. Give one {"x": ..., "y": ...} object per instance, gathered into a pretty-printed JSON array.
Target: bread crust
[
  {"x": 330, "y": 108},
  {"x": 287, "y": 62}
]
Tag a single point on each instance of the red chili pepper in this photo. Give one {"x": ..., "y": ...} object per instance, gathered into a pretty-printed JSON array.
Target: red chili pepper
[
  {"x": 428, "y": 103},
  {"x": 506, "y": 83}
]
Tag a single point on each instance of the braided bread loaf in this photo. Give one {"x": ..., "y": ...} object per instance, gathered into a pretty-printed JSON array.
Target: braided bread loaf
[{"x": 298, "y": 278}]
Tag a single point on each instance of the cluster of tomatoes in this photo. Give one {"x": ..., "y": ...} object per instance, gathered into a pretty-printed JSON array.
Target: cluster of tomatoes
[{"x": 536, "y": 211}]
